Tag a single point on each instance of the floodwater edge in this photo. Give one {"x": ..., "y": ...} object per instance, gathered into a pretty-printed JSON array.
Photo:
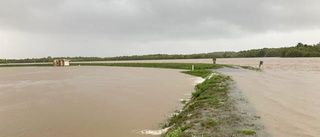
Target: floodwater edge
[
  {"x": 216, "y": 108},
  {"x": 210, "y": 111}
]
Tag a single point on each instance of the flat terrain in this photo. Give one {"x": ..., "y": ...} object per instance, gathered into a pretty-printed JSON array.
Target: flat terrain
[
  {"x": 285, "y": 94},
  {"x": 295, "y": 64},
  {"x": 88, "y": 101}
]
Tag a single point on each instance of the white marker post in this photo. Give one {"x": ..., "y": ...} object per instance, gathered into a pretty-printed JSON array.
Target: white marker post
[{"x": 192, "y": 68}]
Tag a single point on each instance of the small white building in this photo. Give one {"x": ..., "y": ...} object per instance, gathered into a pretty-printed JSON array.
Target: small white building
[
  {"x": 66, "y": 62},
  {"x": 61, "y": 62}
]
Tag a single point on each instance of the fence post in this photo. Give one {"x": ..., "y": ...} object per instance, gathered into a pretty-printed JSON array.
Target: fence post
[
  {"x": 260, "y": 64},
  {"x": 214, "y": 60}
]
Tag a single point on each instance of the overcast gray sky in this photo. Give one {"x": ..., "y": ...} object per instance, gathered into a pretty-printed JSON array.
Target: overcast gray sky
[{"x": 104, "y": 28}]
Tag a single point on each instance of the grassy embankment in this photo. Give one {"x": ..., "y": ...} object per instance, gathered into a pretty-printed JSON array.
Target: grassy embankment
[
  {"x": 187, "y": 66},
  {"x": 209, "y": 112}
]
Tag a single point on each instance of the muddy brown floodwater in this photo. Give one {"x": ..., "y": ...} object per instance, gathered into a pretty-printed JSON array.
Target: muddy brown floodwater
[
  {"x": 286, "y": 94},
  {"x": 88, "y": 101},
  {"x": 118, "y": 102}
]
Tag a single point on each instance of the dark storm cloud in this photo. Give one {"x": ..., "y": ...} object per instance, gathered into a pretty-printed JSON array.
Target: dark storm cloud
[
  {"x": 126, "y": 21},
  {"x": 159, "y": 18}
]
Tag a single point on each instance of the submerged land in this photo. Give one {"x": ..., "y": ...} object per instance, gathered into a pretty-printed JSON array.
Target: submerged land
[
  {"x": 249, "y": 103},
  {"x": 211, "y": 110},
  {"x": 88, "y": 101}
]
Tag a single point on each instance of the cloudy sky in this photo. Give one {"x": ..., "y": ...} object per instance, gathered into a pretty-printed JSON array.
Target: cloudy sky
[{"x": 104, "y": 28}]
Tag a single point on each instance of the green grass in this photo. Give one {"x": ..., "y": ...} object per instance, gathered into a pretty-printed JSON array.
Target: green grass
[
  {"x": 210, "y": 111},
  {"x": 196, "y": 93},
  {"x": 199, "y": 73},
  {"x": 183, "y": 101},
  {"x": 250, "y": 68},
  {"x": 187, "y": 66},
  {"x": 207, "y": 96},
  {"x": 247, "y": 132},
  {"x": 173, "y": 133}
]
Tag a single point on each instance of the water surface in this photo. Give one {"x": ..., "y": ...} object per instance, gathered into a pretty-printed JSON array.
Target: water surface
[
  {"x": 286, "y": 94},
  {"x": 87, "y": 101},
  {"x": 93, "y": 101}
]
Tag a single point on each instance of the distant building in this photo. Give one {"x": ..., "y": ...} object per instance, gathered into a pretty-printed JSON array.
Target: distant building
[{"x": 61, "y": 62}]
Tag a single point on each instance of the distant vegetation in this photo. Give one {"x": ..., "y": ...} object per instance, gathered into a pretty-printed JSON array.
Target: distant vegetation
[{"x": 300, "y": 50}]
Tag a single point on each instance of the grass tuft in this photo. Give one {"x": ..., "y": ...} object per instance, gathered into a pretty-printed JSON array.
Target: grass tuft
[
  {"x": 247, "y": 132},
  {"x": 250, "y": 68},
  {"x": 196, "y": 93},
  {"x": 183, "y": 101},
  {"x": 198, "y": 73},
  {"x": 173, "y": 133}
]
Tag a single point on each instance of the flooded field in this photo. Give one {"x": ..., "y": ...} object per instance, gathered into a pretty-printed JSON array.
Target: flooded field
[
  {"x": 119, "y": 102},
  {"x": 294, "y": 64},
  {"x": 88, "y": 101},
  {"x": 286, "y": 94}
]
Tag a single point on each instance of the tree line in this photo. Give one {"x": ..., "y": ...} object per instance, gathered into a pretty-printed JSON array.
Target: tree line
[{"x": 300, "y": 50}]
